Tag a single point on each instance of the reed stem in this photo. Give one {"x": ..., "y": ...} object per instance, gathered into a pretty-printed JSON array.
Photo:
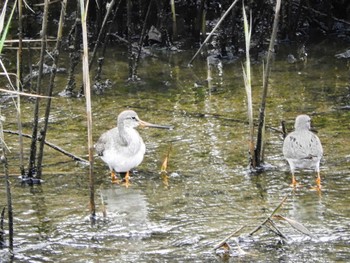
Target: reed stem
[
  {"x": 55, "y": 55},
  {"x": 33, "y": 146},
  {"x": 87, "y": 92},
  {"x": 259, "y": 151},
  {"x": 173, "y": 11},
  {"x": 248, "y": 87},
  {"x": 3, "y": 159},
  {"x": 19, "y": 85}
]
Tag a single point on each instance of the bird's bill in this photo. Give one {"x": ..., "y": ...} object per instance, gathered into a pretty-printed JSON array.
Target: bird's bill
[{"x": 151, "y": 125}]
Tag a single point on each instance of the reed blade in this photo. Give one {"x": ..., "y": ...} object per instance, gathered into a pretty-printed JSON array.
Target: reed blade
[{"x": 295, "y": 224}]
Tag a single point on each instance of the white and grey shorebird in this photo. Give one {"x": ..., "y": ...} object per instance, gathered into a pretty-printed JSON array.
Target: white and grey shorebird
[
  {"x": 303, "y": 149},
  {"x": 122, "y": 147}
]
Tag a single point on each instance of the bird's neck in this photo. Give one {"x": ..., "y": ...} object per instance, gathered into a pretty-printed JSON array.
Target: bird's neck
[
  {"x": 126, "y": 134},
  {"x": 302, "y": 129}
]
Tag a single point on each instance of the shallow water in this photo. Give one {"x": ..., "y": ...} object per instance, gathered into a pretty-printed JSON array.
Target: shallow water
[{"x": 211, "y": 193}]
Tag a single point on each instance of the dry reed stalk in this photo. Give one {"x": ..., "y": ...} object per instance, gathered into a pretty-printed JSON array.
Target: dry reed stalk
[{"x": 87, "y": 92}]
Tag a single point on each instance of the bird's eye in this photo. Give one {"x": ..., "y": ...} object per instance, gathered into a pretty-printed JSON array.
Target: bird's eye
[{"x": 133, "y": 118}]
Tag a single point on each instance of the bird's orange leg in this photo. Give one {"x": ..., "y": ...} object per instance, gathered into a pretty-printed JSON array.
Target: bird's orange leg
[
  {"x": 114, "y": 178},
  {"x": 318, "y": 181},
  {"x": 294, "y": 182},
  {"x": 126, "y": 179}
]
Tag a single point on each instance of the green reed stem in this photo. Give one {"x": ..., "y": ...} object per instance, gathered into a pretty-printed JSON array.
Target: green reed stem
[{"x": 248, "y": 87}]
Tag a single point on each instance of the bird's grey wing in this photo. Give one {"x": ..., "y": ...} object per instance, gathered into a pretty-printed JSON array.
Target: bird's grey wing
[
  {"x": 302, "y": 146},
  {"x": 102, "y": 143},
  {"x": 109, "y": 139},
  {"x": 294, "y": 148},
  {"x": 316, "y": 149}
]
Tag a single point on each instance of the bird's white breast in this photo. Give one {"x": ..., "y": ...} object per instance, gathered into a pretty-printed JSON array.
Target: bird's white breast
[{"x": 123, "y": 158}]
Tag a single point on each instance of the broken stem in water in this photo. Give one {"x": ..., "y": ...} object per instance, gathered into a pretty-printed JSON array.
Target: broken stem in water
[
  {"x": 269, "y": 217},
  {"x": 223, "y": 242}
]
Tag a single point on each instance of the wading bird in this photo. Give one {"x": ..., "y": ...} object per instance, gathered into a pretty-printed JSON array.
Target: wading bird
[
  {"x": 303, "y": 149},
  {"x": 122, "y": 147}
]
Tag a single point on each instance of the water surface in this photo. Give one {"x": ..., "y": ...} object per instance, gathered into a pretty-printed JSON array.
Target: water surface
[{"x": 211, "y": 192}]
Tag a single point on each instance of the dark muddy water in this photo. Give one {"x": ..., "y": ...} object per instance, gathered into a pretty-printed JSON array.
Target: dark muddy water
[{"x": 210, "y": 192}]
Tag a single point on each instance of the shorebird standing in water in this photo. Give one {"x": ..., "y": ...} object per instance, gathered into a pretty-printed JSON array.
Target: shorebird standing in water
[
  {"x": 122, "y": 147},
  {"x": 303, "y": 149}
]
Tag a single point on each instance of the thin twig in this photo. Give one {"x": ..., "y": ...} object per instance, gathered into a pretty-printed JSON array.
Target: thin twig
[
  {"x": 102, "y": 30},
  {"x": 213, "y": 30},
  {"x": 22, "y": 93},
  {"x": 53, "y": 146}
]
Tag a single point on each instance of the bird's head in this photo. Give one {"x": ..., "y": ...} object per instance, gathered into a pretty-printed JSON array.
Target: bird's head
[
  {"x": 130, "y": 119},
  {"x": 302, "y": 122}
]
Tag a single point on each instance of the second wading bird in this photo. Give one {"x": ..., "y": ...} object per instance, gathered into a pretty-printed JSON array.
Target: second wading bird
[
  {"x": 122, "y": 147},
  {"x": 303, "y": 149}
]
